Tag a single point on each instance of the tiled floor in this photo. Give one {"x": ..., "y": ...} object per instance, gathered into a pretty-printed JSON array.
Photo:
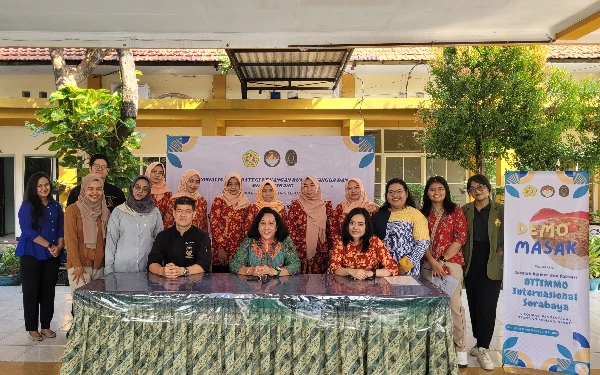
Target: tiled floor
[{"x": 25, "y": 355}]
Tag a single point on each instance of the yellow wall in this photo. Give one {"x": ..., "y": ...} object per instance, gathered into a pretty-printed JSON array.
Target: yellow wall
[
  {"x": 283, "y": 131},
  {"x": 11, "y": 86},
  {"x": 199, "y": 86}
]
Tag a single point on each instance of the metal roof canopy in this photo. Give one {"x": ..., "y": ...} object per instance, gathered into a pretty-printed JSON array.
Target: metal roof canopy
[{"x": 288, "y": 69}]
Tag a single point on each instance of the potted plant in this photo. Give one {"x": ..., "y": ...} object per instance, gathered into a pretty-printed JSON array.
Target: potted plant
[
  {"x": 594, "y": 262},
  {"x": 9, "y": 266}
]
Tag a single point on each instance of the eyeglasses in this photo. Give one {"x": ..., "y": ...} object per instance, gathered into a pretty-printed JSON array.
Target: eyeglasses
[
  {"x": 396, "y": 192},
  {"x": 479, "y": 187},
  {"x": 138, "y": 187},
  {"x": 100, "y": 167},
  {"x": 158, "y": 173},
  {"x": 231, "y": 185}
]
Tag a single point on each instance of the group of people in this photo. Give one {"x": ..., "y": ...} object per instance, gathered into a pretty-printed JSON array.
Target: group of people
[{"x": 167, "y": 234}]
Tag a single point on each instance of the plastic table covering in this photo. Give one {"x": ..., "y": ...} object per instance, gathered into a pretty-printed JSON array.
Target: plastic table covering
[{"x": 139, "y": 323}]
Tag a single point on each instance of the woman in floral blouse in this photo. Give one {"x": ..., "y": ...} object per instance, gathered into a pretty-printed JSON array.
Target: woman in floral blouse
[
  {"x": 448, "y": 229},
  {"x": 356, "y": 196},
  {"x": 309, "y": 220},
  {"x": 266, "y": 196},
  {"x": 189, "y": 184},
  {"x": 268, "y": 250},
  {"x": 228, "y": 214},
  {"x": 360, "y": 253},
  {"x": 160, "y": 192},
  {"x": 402, "y": 227}
]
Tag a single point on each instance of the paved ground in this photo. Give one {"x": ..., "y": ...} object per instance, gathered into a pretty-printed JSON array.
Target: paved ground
[{"x": 16, "y": 346}]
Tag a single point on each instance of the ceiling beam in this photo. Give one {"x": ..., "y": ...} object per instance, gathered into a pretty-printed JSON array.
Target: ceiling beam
[{"x": 581, "y": 28}]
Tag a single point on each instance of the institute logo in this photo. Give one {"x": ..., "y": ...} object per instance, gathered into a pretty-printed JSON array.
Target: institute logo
[
  {"x": 250, "y": 158},
  {"x": 547, "y": 191},
  {"x": 529, "y": 191},
  {"x": 563, "y": 191},
  {"x": 272, "y": 158},
  {"x": 291, "y": 158}
]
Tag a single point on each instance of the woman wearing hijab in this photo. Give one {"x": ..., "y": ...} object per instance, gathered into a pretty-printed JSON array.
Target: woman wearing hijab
[
  {"x": 189, "y": 184},
  {"x": 356, "y": 196},
  {"x": 132, "y": 228},
  {"x": 85, "y": 233},
  {"x": 266, "y": 196},
  {"x": 228, "y": 215},
  {"x": 161, "y": 195},
  {"x": 309, "y": 226}
]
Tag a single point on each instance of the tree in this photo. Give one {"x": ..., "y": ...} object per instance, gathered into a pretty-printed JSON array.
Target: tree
[
  {"x": 480, "y": 98},
  {"x": 488, "y": 100},
  {"x": 92, "y": 121}
]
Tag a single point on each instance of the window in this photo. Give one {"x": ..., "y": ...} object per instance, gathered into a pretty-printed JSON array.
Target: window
[{"x": 398, "y": 154}]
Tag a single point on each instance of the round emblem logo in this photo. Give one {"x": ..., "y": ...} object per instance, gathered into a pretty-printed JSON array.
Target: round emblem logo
[
  {"x": 563, "y": 191},
  {"x": 529, "y": 191},
  {"x": 291, "y": 158},
  {"x": 250, "y": 158},
  {"x": 547, "y": 191},
  {"x": 272, "y": 158}
]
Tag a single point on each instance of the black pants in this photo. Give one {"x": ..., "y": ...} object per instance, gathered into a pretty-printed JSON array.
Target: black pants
[
  {"x": 482, "y": 295},
  {"x": 38, "y": 279}
]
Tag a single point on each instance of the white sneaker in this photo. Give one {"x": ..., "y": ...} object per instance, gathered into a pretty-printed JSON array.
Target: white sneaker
[
  {"x": 473, "y": 351},
  {"x": 483, "y": 357},
  {"x": 461, "y": 359}
]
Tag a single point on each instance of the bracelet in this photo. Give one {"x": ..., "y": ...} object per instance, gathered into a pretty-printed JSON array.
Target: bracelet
[{"x": 374, "y": 270}]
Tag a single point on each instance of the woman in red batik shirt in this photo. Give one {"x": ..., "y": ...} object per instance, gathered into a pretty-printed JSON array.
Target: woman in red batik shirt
[
  {"x": 361, "y": 254},
  {"x": 228, "y": 215},
  {"x": 309, "y": 225},
  {"x": 356, "y": 196},
  {"x": 160, "y": 192},
  {"x": 266, "y": 196},
  {"x": 448, "y": 232},
  {"x": 189, "y": 184}
]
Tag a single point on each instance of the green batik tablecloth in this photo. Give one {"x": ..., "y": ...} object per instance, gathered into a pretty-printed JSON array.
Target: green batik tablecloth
[{"x": 225, "y": 324}]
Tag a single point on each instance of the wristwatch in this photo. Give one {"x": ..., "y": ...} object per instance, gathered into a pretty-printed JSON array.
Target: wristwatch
[
  {"x": 441, "y": 259},
  {"x": 278, "y": 271},
  {"x": 186, "y": 272}
]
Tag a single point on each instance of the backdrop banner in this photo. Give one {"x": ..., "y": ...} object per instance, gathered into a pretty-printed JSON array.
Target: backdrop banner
[
  {"x": 285, "y": 160},
  {"x": 546, "y": 281}
]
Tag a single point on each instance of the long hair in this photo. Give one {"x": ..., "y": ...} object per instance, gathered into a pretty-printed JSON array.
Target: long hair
[
  {"x": 31, "y": 196},
  {"x": 410, "y": 201},
  {"x": 347, "y": 237},
  {"x": 449, "y": 206},
  {"x": 280, "y": 234}
]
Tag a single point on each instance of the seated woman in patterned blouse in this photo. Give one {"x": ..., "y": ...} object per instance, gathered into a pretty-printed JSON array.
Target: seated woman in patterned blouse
[
  {"x": 360, "y": 253},
  {"x": 268, "y": 250}
]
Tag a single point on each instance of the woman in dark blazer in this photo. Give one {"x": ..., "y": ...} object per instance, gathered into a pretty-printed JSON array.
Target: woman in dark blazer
[{"x": 484, "y": 258}]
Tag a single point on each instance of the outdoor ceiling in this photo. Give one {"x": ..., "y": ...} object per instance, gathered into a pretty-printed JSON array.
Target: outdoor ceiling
[
  {"x": 288, "y": 23},
  {"x": 289, "y": 69}
]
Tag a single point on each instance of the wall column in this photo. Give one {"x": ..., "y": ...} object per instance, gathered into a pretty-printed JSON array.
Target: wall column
[
  {"x": 348, "y": 86},
  {"x": 353, "y": 128},
  {"x": 212, "y": 126},
  {"x": 94, "y": 82},
  {"x": 219, "y": 86}
]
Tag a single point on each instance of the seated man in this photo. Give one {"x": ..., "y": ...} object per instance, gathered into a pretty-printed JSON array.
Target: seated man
[{"x": 183, "y": 249}]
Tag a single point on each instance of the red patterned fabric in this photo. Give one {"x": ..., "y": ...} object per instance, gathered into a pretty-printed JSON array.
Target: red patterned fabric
[
  {"x": 338, "y": 222},
  {"x": 452, "y": 228},
  {"x": 351, "y": 256},
  {"x": 296, "y": 223},
  {"x": 200, "y": 219},
  {"x": 163, "y": 205},
  {"x": 253, "y": 211},
  {"x": 227, "y": 227}
]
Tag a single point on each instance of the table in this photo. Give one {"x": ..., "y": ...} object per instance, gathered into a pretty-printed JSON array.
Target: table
[{"x": 139, "y": 323}]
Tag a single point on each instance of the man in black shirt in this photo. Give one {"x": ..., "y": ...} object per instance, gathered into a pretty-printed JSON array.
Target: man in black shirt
[
  {"x": 112, "y": 194},
  {"x": 183, "y": 249}
]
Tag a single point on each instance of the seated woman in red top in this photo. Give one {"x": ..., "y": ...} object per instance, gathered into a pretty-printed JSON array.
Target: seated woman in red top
[
  {"x": 448, "y": 230},
  {"x": 360, "y": 253}
]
